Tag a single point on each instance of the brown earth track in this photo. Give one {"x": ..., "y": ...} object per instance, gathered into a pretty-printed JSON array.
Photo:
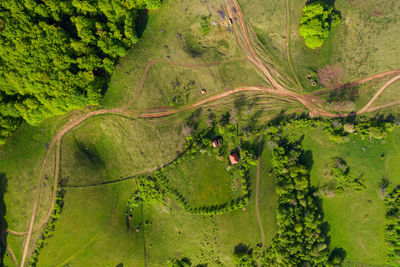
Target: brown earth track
[
  {"x": 9, "y": 250},
  {"x": 56, "y": 141},
  {"x": 355, "y": 83},
  {"x": 380, "y": 91}
]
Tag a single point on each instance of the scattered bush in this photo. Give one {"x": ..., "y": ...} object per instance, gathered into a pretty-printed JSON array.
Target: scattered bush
[{"x": 344, "y": 180}]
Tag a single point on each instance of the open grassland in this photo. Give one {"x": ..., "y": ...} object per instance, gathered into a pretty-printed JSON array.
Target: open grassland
[
  {"x": 93, "y": 229},
  {"x": 102, "y": 227},
  {"x": 356, "y": 219},
  {"x": 113, "y": 147},
  {"x": 181, "y": 41},
  {"x": 205, "y": 180}
]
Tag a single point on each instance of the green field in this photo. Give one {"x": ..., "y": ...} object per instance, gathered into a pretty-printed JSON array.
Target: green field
[{"x": 155, "y": 105}]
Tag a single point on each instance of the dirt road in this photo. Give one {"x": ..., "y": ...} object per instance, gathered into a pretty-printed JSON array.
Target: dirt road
[
  {"x": 56, "y": 141},
  {"x": 380, "y": 91}
]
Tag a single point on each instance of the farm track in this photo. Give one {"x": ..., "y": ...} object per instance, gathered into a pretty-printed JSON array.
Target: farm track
[
  {"x": 9, "y": 250},
  {"x": 366, "y": 107},
  {"x": 310, "y": 101}
]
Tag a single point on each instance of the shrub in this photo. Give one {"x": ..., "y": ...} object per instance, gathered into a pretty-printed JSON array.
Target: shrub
[{"x": 318, "y": 19}]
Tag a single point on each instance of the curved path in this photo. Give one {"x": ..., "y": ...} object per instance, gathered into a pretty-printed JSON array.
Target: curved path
[
  {"x": 56, "y": 141},
  {"x": 366, "y": 107},
  {"x": 355, "y": 83}
]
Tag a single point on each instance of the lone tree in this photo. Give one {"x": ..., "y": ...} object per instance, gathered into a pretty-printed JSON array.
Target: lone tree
[{"x": 318, "y": 19}]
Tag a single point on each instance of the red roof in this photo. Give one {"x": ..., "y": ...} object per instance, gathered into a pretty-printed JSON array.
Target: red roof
[{"x": 234, "y": 158}]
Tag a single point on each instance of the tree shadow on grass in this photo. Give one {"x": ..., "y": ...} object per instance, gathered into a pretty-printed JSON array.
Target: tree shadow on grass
[
  {"x": 3, "y": 222},
  {"x": 141, "y": 21},
  {"x": 329, "y": 2}
]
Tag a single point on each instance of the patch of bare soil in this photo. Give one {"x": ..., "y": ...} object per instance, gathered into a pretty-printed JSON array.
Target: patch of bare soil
[{"x": 330, "y": 74}]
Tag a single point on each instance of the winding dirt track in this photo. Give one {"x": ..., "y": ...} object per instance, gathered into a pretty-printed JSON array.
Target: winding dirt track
[
  {"x": 366, "y": 107},
  {"x": 309, "y": 101},
  {"x": 355, "y": 83},
  {"x": 56, "y": 141}
]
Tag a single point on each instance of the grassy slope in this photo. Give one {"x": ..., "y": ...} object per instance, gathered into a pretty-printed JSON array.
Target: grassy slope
[{"x": 92, "y": 223}]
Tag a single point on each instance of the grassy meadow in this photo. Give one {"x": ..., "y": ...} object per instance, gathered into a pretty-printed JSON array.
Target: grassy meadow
[{"x": 181, "y": 38}]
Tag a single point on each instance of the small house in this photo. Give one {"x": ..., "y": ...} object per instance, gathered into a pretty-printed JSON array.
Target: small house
[
  {"x": 203, "y": 91},
  {"x": 234, "y": 158},
  {"x": 217, "y": 142}
]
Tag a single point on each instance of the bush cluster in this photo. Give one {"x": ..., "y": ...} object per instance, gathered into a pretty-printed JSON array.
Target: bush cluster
[
  {"x": 148, "y": 192},
  {"x": 344, "y": 179}
]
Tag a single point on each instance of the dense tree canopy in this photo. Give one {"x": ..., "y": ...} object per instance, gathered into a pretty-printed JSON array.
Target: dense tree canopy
[
  {"x": 318, "y": 19},
  {"x": 300, "y": 238},
  {"x": 56, "y": 55}
]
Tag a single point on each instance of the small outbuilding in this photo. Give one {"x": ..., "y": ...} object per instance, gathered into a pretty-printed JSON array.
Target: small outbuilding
[
  {"x": 217, "y": 142},
  {"x": 234, "y": 158}
]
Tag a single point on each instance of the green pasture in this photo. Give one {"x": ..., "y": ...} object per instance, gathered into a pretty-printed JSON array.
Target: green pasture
[
  {"x": 181, "y": 41},
  {"x": 204, "y": 180},
  {"x": 356, "y": 219}
]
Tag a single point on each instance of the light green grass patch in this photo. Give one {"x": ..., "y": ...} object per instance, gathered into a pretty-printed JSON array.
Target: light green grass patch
[{"x": 204, "y": 180}]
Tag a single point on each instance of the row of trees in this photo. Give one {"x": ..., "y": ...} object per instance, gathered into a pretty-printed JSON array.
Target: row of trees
[
  {"x": 57, "y": 55},
  {"x": 338, "y": 129}
]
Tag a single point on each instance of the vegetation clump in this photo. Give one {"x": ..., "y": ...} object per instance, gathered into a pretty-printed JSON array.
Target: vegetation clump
[
  {"x": 344, "y": 180},
  {"x": 148, "y": 192},
  {"x": 392, "y": 231},
  {"x": 318, "y": 20},
  {"x": 57, "y": 56},
  {"x": 300, "y": 239}
]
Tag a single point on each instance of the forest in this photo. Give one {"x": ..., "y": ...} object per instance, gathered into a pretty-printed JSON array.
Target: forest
[{"x": 57, "y": 55}]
